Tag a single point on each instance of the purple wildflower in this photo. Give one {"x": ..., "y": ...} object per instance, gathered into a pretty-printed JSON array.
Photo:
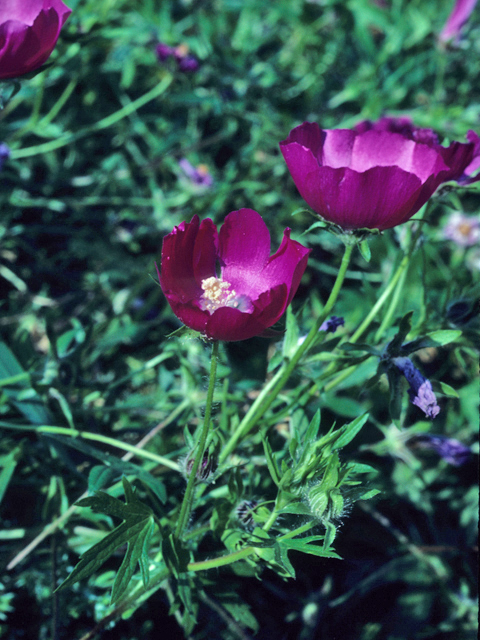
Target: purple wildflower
[
  {"x": 29, "y": 31},
  {"x": 198, "y": 175},
  {"x": 420, "y": 392},
  {"x": 163, "y": 51},
  {"x": 188, "y": 63},
  {"x": 185, "y": 61},
  {"x": 463, "y": 230},
  {"x": 452, "y": 451},
  {"x": 4, "y": 153},
  {"x": 332, "y": 324}
]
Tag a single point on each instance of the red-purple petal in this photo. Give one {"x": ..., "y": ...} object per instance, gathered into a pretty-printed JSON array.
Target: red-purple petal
[
  {"x": 28, "y": 33},
  {"x": 188, "y": 253},
  {"x": 231, "y": 325},
  {"x": 377, "y": 175},
  {"x": 244, "y": 248},
  {"x": 287, "y": 265}
]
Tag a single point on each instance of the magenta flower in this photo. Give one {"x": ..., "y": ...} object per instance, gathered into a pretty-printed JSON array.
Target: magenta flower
[
  {"x": 29, "y": 31},
  {"x": 461, "y": 12},
  {"x": 251, "y": 290},
  {"x": 377, "y": 175}
]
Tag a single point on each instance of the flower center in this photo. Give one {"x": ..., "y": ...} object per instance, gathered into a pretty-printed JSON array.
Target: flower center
[
  {"x": 218, "y": 293},
  {"x": 465, "y": 228}
]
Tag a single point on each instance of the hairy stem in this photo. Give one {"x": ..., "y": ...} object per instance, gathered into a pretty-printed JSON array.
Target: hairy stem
[{"x": 189, "y": 492}]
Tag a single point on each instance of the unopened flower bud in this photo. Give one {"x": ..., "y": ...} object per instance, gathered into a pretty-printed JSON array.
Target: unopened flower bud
[
  {"x": 206, "y": 469},
  {"x": 244, "y": 512}
]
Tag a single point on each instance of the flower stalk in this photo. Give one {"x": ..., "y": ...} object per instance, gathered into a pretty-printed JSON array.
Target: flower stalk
[
  {"x": 187, "y": 502},
  {"x": 276, "y": 384}
]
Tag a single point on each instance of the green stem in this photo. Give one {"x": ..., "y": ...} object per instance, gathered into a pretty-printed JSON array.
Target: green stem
[
  {"x": 74, "y": 433},
  {"x": 398, "y": 277},
  {"x": 395, "y": 285},
  {"x": 230, "y": 558},
  {"x": 276, "y": 384},
  {"x": 189, "y": 492},
  {"x": 127, "y": 110},
  {"x": 387, "y": 318},
  {"x": 383, "y": 298}
]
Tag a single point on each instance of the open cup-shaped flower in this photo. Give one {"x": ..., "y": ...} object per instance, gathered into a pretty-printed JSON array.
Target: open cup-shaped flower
[
  {"x": 377, "y": 175},
  {"x": 226, "y": 285},
  {"x": 29, "y": 31}
]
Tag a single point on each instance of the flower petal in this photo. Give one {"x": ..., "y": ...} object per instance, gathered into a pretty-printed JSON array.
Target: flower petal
[
  {"x": 377, "y": 175},
  {"x": 377, "y": 198},
  {"x": 287, "y": 265},
  {"x": 188, "y": 256},
  {"x": 232, "y": 325},
  {"x": 244, "y": 248}
]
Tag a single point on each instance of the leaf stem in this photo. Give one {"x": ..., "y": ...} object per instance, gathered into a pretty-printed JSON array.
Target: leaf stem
[
  {"x": 189, "y": 492},
  {"x": 74, "y": 433},
  {"x": 276, "y": 384}
]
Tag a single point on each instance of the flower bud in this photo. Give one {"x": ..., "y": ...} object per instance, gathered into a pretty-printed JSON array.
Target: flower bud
[
  {"x": 206, "y": 469},
  {"x": 244, "y": 512}
]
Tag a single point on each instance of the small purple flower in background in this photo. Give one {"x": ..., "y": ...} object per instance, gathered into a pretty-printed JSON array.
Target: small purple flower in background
[
  {"x": 463, "y": 230},
  {"x": 198, "y": 175},
  {"x": 252, "y": 290},
  {"x": 163, "y": 51},
  {"x": 420, "y": 392},
  {"x": 452, "y": 451},
  {"x": 185, "y": 61},
  {"x": 376, "y": 175},
  {"x": 4, "y": 153},
  {"x": 189, "y": 63},
  {"x": 332, "y": 324},
  {"x": 458, "y": 17},
  {"x": 329, "y": 326}
]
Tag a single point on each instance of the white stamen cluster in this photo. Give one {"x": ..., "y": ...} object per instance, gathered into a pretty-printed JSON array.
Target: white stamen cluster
[{"x": 217, "y": 293}]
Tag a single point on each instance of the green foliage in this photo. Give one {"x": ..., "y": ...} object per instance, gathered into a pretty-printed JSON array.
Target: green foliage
[{"x": 135, "y": 531}]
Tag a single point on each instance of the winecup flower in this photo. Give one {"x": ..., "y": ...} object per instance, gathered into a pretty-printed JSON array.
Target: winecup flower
[
  {"x": 226, "y": 285},
  {"x": 29, "y": 31},
  {"x": 377, "y": 175}
]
